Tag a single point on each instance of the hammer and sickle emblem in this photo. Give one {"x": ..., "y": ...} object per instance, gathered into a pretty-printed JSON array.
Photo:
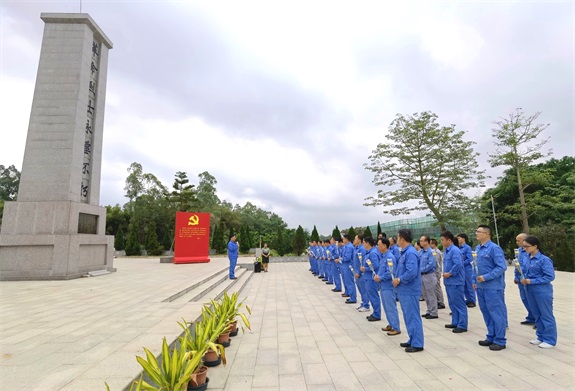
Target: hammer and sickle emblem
[{"x": 194, "y": 220}]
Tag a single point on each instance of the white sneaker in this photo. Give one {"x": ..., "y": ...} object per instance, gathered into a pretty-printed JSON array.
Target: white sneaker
[
  {"x": 535, "y": 342},
  {"x": 545, "y": 345},
  {"x": 359, "y": 307},
  {"x": 363, "y": 309}
]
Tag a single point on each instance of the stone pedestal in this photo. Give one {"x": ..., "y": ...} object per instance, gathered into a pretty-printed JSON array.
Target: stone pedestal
[{"x": 56, "y": 228}]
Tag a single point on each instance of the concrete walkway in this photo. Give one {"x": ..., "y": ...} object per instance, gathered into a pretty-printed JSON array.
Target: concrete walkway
[
  {"x": 75, "y": 335},
  {"x": 304, "y": 338}
]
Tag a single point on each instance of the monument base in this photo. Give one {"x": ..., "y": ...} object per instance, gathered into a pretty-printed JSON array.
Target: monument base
[{"x": 46, "y": 241}]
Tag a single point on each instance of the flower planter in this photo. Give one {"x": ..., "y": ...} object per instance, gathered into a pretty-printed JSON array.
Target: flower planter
[
  {"x": 201, "y": 387},
  {"x": 201, "y": 376},
  {"x": 212, "y": 359},
  {"x": 233, "y": 329},
  {"x": 224, "y": 339}
]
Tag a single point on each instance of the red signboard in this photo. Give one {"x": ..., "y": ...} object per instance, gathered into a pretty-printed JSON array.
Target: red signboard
[{"x": 192, "y": 237}]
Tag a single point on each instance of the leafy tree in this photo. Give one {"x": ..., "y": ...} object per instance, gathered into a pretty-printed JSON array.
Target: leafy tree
[
  {"x": 379, "y": 231},
  {"x": 119, "y": 243},
  {"x": 351, "y": 233},
  {"x": 133, "y": 243},
  {"x": 153, "y": 246},
  {"x": 206, "y": 194},
  {"x": 367, "y": 233},
  {"x": 299, "y": 243},
  {"x": 314, "y": 234},
  {"x": 424, "y": 162},
  {"x": 218, "y": 240},
  {"x": 335, "y": 233},
  {"x": 557, "y": 244},
  {"x": 9, "y": 182},
  {"x": 518, "y": 145}
]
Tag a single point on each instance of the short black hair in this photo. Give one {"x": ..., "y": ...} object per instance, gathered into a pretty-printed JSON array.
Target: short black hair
[
  {"x": 405, "y": 234},
  {"x": 345, "y": 236},
  {"x": 384, "y": 241},
  {"x": 448, "y": 235},
  {"x": 463, "y": 236},
  {"x": 360, "y": 237},
  {"x": 426, "y": 238},
  {"x": 370, "y": 241},
  {"x": 485, "y": 227}
]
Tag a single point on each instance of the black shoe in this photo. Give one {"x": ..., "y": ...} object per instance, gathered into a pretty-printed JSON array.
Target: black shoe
[
  {"x": 527, "y": 323},
  {"x": 421, "y": 299},
  {"x": 325, "y": 279},
  {"x": 425, "y": 315},
  {"x": 329, "y": 283},
  {"x": 450, "y": 326},
  {"x": 372, "y": 318},
  {"x": 458, "y": 330},
  {"x": 451, "y": 313},
  {"x": 485, "y": 343},
  {"x": 441, "y": 306},
  {"x": 496, "y": 347},
  {"x": 320, "y": 277},
  {"x": 411, "y": 349},
  {"x": 431, "y": 317},
  {"x": 344, "y": 295},
  {"x": 471, "y": 304},
  {"x": 233, "y": 278},
  {"x": 350, "y": 302},
  {"x": 336, "y": 290},
  {"x": 534, "y": 327},
  {"x": 405, "y": 345}
]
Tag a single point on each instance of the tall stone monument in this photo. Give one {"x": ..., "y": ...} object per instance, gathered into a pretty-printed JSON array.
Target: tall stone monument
[{"x": 56, "y": 228}]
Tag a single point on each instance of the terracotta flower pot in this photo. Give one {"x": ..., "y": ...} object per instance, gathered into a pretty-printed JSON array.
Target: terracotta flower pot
[
  {"x": 201, "y": 374},
  {"x": 224, "y": 339},
  {"x": 212, "y": 359},
  {"x": 233, "y": 329}
]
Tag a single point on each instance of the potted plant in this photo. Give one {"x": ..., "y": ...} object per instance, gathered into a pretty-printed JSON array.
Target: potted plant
[
  {"x": 203, "y": 340},
  {"x": 232, "y": 305},
  {"x": 176, "y": 370}
]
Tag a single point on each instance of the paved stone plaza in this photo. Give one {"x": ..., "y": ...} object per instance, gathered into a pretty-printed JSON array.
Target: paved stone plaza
[{"x": 74, "y": 335}]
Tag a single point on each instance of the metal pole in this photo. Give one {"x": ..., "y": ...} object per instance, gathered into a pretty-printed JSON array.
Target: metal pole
[{"x": 494, "y": 219}]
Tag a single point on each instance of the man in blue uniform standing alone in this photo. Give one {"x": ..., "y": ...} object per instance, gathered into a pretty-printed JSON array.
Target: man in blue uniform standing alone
[
  {"x": 490, "y": 277},
  {"x": 233, "y": 255},
  {"x": 408, "y": 284}
]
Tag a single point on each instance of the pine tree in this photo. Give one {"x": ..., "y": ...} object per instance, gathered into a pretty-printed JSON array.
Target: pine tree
[
  {"x": 119, "y": 242},
  {"x": 168, "y": 238},
  {"x": 367, "y": 233},
  {"x": 299, "y": 243},
  {"x": 244, "y": 241},
  {"x": 335, "y": 233},
  {"x": 133, "y": 244},
  {"x": 314, "y": 235},
  {"x": 153, "y": 246},
  {"x": 215, "y": 233},
  {"x": 219, "y": 241},
  {"x": 351, "y": 233},
  {"x": 279, "y": 242},
  {"x": 379, "y": 231}
]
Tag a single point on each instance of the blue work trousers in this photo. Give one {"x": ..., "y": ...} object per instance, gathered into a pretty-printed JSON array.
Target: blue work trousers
[
  {"x": 541, "y": 302},
  {"x": 348, "y": 282},
  {"x": 468, "y": 290},
  {"x": 337, "y": 275},
  {"x": 412, "y": 319},
  {"x": 233, "y": 262},
  {"x": 523, "y": 294},
  {"x": 492, "y": 305},
  {"x": 371, "y": 292},
  {"x": 457, "y": 305},
  {"x": 390, "y": 307}
]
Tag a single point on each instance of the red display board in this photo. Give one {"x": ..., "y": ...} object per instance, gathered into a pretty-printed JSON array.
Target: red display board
[{"x": 192, "y": 237}]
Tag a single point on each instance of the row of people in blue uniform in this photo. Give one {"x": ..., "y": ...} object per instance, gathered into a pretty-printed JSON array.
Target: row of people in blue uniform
[{"x": 381, "y": 277}]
